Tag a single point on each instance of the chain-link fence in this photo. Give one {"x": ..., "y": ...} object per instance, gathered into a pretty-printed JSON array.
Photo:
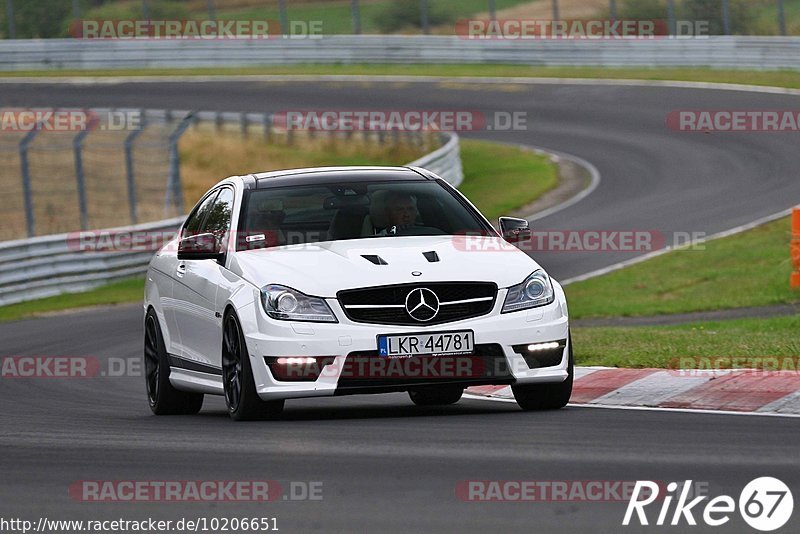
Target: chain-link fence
[
  {"x": 81, "y": 169},
  {"x": 67, "y": 170}
]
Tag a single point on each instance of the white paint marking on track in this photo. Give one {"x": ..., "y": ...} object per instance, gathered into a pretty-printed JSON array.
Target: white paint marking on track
[
  {"x": 647, "y": 408},
  {"x": 789, "y": 405},
  {"x": 651, "y": 390},
  {"x": 395, "y": 78}
]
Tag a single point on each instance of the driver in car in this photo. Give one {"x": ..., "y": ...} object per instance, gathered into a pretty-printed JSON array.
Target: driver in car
[{"x": 401, "y": 212}]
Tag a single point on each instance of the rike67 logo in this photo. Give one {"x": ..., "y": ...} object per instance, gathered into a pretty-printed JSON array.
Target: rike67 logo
[{"x": 766, "y": 504}]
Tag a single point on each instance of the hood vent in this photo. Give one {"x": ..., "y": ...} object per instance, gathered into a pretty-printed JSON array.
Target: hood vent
[
  {"x": 374, "y": 258},
  {"x": 431, "y": 256}
]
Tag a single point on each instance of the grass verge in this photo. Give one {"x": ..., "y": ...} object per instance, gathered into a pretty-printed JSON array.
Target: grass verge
[
  {"x": 747, "y": 269},
  {"x": 777, "y": 78},
  {"x": 656, "y": 346},
  {"x": 525, "y": 176},
  {"x": 124, "y": 291},
  {"x": 501, "y": 178}
]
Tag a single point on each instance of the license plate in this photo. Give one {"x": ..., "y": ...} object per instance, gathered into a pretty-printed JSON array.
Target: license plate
[{"x": 436, "y": 344}]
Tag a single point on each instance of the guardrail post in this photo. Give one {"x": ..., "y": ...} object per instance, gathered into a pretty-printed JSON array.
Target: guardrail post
[
  {"x": 781, "y": 18},
  {"x": 243, "y": 123},
  {"x": 289, "y": 135},
  {"x": 423, "y": 16},
  {"x": 612, "y": 10},
  {"x": 795, "y": 248},
  {"x": 12, "y": 26},
  {"x": 174, "y": 194},
  {"x": 726, "y": 17},
  {"x": 556, "y": 12},
  {"x": 671, "y": 17},
  {"x": 77, "y": 148},
  {"x": 129, "y": 171},
  {"x": 283, "y": 17},
  {"x": 492, "y": 10},
  {"x": 355, "y": 12},
  {"x": 268, "y": 127},
  {"x": 26, "y": 179},
  {"x": 211, "y": 11}
]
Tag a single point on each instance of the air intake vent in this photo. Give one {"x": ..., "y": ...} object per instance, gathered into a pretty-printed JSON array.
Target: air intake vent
[
  {"x": 431, "y": 256},
  {"x": 374, "y": 258}
]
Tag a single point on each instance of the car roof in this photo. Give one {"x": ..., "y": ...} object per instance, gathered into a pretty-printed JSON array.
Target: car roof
[{"x": 335, "y": 175}]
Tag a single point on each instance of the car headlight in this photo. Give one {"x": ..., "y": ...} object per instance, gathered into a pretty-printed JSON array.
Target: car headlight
[
  {"x": 536, "y": 290},
  {"x": 285, "y": 303}
]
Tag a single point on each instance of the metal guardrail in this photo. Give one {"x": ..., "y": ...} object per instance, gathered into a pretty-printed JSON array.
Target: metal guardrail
[
  {"x": 446, "y": 161},
  {"x": 51, "y": 265},
  {"x": 716, "y": 51}
]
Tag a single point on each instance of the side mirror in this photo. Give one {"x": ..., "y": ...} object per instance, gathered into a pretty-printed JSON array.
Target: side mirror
[
  {"x": 200, "y": 247},
  {"x": 514, "y": 230}
]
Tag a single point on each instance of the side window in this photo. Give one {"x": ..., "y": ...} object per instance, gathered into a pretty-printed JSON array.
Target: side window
[
  {"x": 219, "y": 217},
  {"x": 197, "y": 218}
]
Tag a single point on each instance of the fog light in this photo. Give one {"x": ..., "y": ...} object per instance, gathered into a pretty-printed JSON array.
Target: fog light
[
  {"x": 543, "y": 346},
  {"x": 296, "y": 361},
  {"x": 298, "y": 368},
  {"x": 538, "y": 355}
]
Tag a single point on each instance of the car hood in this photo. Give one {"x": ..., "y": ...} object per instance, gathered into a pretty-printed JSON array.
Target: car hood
[{"x": 323, "y": 269}]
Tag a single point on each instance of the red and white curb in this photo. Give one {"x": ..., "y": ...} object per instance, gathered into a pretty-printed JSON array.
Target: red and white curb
[{"x": 719, "y": 391}]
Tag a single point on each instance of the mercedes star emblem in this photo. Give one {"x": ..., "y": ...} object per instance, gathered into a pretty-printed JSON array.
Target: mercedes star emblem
[{"x": 422, "y": 304}]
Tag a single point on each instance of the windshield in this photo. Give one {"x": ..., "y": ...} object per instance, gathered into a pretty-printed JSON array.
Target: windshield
[{"x": 314, "y": 213}]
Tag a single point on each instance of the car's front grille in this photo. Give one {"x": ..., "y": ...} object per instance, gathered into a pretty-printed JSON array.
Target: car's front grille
[
  {"x": 367, "y": 371},
  {"x": 388, "y": 304}
]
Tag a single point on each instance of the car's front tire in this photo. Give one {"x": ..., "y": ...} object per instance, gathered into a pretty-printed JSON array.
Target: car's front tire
[
  {"x": 163, "y": 397},
  {"x": 532, "y": 397},
  {"x": 438, "y": 396},
  {"x": 241, "y": 397}
]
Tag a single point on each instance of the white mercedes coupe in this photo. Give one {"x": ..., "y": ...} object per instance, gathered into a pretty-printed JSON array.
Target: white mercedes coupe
[{"x": 348, "y": 280}]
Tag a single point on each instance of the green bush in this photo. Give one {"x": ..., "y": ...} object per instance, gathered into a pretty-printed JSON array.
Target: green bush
[
  {"x": 643, "y": 10},
  {"x": 400, "y": 14},
  {"x": 711, "y": 10},
  {"x": 52, "y": 18},
  {"x": 40, "y": 19},
  {"x": 165, "y": 10},
  {"x": 703, "y": 10}
]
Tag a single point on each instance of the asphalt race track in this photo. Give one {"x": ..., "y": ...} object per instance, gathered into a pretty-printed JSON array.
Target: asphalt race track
[{"x": 386, "y": 465}]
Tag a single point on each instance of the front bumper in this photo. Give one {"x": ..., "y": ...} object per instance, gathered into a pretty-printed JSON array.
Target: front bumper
[{"x": 268, "y": 338}]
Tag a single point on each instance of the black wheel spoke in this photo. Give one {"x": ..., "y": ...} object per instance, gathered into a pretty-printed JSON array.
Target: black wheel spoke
[
  {"x": 232, "y": 364},
  {"x": 152, "y": 362}
]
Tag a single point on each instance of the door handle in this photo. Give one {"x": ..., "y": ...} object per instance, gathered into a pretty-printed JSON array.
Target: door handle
[{"x": 181, "y": 270}]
